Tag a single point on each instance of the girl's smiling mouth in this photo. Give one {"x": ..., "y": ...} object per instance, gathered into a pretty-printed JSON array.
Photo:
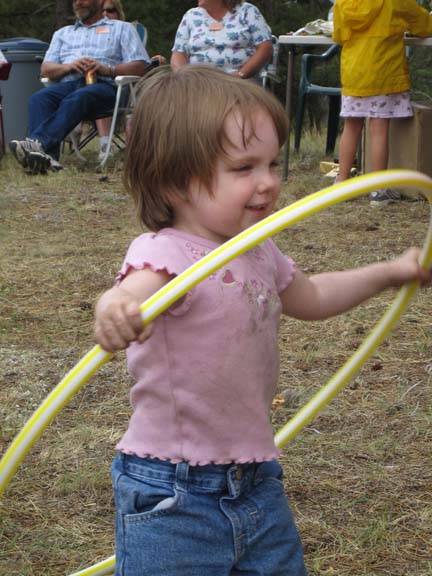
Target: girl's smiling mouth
[{"x": 257, "y": 207}]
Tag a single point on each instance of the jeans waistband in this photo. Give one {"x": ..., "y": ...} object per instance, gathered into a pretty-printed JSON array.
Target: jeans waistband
[{"x": 211, "y": 477}]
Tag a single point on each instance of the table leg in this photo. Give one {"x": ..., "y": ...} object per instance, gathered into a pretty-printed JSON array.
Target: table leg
[{"x": 288, "y": 104}]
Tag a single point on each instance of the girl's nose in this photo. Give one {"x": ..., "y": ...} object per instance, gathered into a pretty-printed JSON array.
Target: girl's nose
[{"x": 268, "y": 180}]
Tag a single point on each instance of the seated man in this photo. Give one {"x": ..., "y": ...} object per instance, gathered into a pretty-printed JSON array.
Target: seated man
[{"x": 94, "y": 48}]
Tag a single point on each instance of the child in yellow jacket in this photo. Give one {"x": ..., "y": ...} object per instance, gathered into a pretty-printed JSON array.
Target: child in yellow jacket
[{"x": 374, "y": 74}]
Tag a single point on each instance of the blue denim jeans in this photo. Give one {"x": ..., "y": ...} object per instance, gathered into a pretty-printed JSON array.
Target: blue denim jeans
[
  {"x": 215, "y": 520},
  {"x": 55, "y": 110}
]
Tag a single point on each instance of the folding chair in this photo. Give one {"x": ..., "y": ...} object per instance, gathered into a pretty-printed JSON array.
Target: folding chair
[
  {"x": 124, "y": 104},
  {"x": 306, "y": 86}
]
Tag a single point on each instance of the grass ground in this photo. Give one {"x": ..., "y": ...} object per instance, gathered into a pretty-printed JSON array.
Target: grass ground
[{"x": 359, "y": 477}]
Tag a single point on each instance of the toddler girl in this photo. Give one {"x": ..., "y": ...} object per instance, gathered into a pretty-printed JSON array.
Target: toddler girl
[
  {"x": 374, "y": 75},
  {"x": 198, "y": 489}
]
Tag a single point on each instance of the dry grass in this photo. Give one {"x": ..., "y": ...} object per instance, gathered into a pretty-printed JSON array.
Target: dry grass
[{"x": 359, "y": 478}]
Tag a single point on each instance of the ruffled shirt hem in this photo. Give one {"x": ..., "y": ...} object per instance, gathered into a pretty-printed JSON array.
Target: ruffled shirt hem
[{"x": 242, "y": 460}]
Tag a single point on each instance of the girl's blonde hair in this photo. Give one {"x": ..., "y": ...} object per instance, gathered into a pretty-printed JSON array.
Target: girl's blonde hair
[{"x": 178, "y": 133}]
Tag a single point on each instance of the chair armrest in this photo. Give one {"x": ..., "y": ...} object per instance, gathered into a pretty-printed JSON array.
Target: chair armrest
[
  {"x": 327, "y": 55},
  {"x": 270, "y": 75},
  {"x": 130, "y": 82},
  {"x": 126, "y": 80}
]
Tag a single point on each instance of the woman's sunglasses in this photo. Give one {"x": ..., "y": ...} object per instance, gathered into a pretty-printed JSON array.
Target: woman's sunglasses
[{"x": 109, "y": 10}]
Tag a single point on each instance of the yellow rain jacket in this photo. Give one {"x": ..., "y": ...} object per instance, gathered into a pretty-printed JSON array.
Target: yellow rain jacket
[{"x": 371, "y": 33}]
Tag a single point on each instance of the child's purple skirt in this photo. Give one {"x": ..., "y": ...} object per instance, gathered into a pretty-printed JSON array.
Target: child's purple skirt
[{"x": 382, "y": 106}]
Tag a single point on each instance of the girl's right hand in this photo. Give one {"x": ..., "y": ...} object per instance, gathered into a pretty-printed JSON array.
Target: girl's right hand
[{"x": 118, "y": 320}]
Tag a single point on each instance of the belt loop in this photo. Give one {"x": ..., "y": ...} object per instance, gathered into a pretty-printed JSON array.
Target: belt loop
[{"x": 181, "y": 476}]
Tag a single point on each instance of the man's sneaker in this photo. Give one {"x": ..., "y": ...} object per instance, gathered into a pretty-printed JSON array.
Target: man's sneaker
[
  {"x": 37, "y": 163},
  {"x": 22, "y": 148},
  {"x": 40, "y": 163},
  {"x": 54, "y": 164},
  {"x": 384, "y": 197}
]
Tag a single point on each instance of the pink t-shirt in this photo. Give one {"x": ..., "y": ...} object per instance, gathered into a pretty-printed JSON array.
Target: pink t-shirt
[{"x": 205, "y": 379}]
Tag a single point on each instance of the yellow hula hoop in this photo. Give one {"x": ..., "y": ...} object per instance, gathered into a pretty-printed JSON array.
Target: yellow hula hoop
[{"x": 175, "y": 289}]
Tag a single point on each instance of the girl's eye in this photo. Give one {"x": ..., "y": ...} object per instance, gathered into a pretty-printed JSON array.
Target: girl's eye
[
  {"x": 242, "y": 168},
  {"x": 275, "y": 164}
]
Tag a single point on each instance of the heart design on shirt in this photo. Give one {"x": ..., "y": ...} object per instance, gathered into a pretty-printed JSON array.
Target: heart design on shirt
[{"x": 228, "y": 277}]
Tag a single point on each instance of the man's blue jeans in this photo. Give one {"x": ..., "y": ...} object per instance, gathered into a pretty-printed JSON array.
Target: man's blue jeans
[
  {"x": 214, "y": 520},
  {"x": 55, "y": 110}
]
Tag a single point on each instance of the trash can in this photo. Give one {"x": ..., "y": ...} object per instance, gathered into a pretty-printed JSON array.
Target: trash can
[{"x": 25, "y": 55}]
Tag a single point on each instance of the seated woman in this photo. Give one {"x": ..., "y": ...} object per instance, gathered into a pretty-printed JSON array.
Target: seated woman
[
  {"x": 113, "y": 10},
  {"x": 230, "y": 34}
]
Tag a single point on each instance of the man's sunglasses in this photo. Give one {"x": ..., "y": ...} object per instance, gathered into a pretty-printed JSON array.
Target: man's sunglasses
[{"x": 109, "y": 10}]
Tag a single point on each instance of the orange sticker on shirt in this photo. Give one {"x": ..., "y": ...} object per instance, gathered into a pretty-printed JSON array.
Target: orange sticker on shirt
[
  {"x": 216, "y": 26},
  {"x": 102, "y": 30}
]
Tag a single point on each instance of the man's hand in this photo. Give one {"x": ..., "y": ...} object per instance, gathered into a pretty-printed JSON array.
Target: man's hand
[{"x": 83, "y": 65}]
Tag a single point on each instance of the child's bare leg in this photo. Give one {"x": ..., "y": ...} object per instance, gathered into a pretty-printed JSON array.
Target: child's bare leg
[
  {"x": 348, "y": 146},
  {"x": 379, "y": 142},
  {"x": 379, "y": 146}
]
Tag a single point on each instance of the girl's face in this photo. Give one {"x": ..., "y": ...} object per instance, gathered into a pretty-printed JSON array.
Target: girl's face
[
  {"x": 109, "y": 11},
  {"x": 245, "y": 187}
]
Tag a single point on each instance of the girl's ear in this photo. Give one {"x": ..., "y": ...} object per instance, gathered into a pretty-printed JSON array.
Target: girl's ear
[
  {"x": 176, "y": 197},
  {"x": 197, "y": 187}
]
